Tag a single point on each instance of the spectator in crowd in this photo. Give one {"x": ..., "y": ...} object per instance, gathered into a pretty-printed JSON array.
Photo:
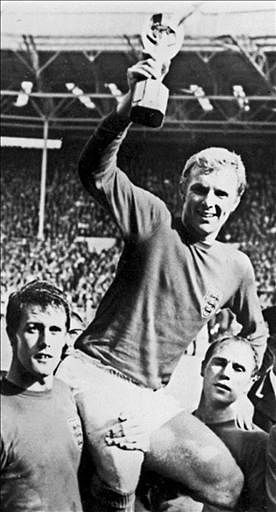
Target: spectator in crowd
[
  {"x": 263, "y": 392},
  {"x": 83, "y": 274},
  {"x": 69, "y": 213},
  {"x": 172, "y": 277},
  {"x": 271, "y": 471},
  {"x": 41, "y": 434},
  {"x": 77, "y": 326}
]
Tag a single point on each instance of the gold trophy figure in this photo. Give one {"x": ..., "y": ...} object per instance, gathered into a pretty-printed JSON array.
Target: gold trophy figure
[{"x": 162, "y": 39}]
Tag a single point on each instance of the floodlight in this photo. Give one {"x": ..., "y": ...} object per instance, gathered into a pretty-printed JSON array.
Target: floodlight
[
  {"x": 115, "y": 91},
  {"x": 240, "y": 95},
  {"x": 201, "y": 97},
  {"x": 23, "y": 96},
  {"x": 84, "y": 99}
]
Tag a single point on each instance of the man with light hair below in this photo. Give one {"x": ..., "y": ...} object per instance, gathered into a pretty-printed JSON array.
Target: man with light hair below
[
  {"x": 228, "y": 369},
  {"x": 172, "y": 277}
]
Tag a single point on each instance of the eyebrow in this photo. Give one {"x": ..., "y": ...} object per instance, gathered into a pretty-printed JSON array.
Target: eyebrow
[
  {"x": 219, "y": 359},
  {"x": 200, "y": 186},
  {"x": 39, "y": 325}
]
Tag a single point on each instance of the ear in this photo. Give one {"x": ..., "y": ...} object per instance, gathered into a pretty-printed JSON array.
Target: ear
[{"x": 254, "y": 378}]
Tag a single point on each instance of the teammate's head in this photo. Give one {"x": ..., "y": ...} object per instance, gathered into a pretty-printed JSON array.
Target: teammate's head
[
  {"x": 77, "y": 326},
  {"x": 38, "y": 318},
  {"x": 211, "y": 186},
  {"x": 228, "y": 369},
  {"x": 38, "y": 293}
]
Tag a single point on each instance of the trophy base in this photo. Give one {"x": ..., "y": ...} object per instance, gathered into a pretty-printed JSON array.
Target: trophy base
[
  {"x": 147, "y": 116},
  {"x": 149, "y": 103}
]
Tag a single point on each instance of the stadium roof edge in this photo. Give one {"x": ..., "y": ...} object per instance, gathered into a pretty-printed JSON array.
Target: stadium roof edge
[{"x": 52, "y": 22}]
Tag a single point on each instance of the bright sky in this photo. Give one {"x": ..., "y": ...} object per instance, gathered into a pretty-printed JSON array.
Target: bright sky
[
  {"x": 87, "y": 17},
  {"x": 126, "y": 6}
]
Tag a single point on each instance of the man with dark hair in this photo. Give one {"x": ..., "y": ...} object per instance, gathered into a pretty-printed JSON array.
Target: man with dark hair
[
  {"x": 41, "y": 434},
  {"x": 172, "y": 277}
]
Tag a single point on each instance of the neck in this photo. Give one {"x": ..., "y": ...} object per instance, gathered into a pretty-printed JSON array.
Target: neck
[
  {"x": 214, "y": 412},
  {"x": 19, "y": 376},
  {"x": 199, "y": 237}
]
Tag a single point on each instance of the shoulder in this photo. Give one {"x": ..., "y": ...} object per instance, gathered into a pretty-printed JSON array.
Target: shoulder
[
  {"x": 253, "y": 436},
  {"x": 236, "y": 258},
  {"x": 272, "y": 437},
  {"x": 233, "y": 252},
  {"x": 63, "y": 394},
  {"x": 60, "y": 387}
]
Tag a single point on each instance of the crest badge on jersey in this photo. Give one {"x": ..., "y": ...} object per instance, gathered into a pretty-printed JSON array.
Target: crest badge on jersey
[
  {"x": 76, "y": 429},
  {"x": 210, "y": 303}
]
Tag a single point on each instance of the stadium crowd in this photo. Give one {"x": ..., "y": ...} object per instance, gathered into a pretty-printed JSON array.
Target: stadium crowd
[{"x": 64, "y": 257}]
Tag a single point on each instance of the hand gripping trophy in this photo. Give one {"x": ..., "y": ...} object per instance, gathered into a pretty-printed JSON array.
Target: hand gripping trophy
[{"x": 162, "y": 39}]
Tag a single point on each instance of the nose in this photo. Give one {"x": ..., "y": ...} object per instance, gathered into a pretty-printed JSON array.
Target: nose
[
  {"x": 226, "y": 370},
  {"x": 44, "y": 338},
  {"x": 209, "y": 199}
]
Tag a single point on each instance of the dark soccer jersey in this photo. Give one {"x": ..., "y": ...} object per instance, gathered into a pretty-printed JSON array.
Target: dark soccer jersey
[
  {"x": 167, "y": 286},
  {"x": 41, "y": 441},
  {"x": 248, "y": 447}
]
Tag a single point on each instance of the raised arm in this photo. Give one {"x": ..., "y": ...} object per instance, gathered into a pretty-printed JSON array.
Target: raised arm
[
  {"x": 136, "y": 211},
  {"x": 112, "y": 130}
]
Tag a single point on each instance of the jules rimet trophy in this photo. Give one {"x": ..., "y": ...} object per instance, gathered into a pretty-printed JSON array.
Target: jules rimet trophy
[{"x": 162, "y": 39}]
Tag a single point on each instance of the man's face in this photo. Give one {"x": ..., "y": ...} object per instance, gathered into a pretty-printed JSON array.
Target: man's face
[
  {"x": 228, "y": 373},
  {"x": 40, "y": 338},
  {"x": 76, "y": 328},
  {"x": 209, "y": 200}
]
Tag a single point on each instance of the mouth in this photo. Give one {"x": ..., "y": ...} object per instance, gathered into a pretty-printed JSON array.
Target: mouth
[
  {"x": 224, "y": 387},
  {"x": 207, "y": 215},
  {"x": 41, "y": 356}
]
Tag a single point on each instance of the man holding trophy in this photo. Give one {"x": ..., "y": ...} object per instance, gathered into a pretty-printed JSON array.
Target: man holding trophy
[{"x": 172, "y": 277}]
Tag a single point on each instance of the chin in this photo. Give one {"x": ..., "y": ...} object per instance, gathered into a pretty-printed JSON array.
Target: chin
[{"x": 44, "y": 372}]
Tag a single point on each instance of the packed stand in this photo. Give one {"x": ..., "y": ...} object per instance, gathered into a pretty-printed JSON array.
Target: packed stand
[{"x": 71, "y": 214}]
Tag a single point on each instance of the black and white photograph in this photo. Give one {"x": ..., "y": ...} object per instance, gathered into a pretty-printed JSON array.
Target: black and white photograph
[{"x": 138, "y": 256}]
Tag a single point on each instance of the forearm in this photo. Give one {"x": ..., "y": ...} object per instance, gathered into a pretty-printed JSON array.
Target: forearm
[
  {"x": 246, "y": 307},
  {"x": 124, "y": 106},
  {"x": 102, "y": 147}
]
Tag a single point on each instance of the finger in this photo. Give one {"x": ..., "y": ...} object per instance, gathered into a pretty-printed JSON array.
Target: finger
[
  {"x": 121, "y": 444},
  {"x": 141, "y": 74},
  {"x": 146, "y": 70},
  {"x": 248, "y": 425},
  {"x": 238, "y": 424},
  {"x": 127, "y": 444}
]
